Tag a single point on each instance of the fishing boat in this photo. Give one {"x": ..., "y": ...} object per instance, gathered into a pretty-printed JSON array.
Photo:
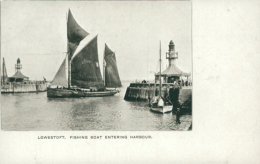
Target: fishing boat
[
  {"x": 159, "y": 104},
  {"x": 79, "y": 74}
]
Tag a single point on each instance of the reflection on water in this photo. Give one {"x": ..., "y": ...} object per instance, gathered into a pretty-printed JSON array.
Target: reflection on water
[{"x": 34, "y": 111}]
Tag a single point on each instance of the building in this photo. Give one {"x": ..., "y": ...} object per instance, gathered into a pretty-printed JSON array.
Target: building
[
  {"x": 172, "y": 73},
  {"x": 19, "y": 82},
  {"x": 18, "y": 76}
]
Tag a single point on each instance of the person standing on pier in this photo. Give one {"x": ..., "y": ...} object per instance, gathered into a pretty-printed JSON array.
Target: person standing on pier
[
  {"x": 179, "y": 84},
  {"x": 178, "y": 114},
  {"x": 174, "y": 97}
]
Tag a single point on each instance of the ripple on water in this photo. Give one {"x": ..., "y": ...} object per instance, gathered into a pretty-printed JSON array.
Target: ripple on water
[{"x": 34, "y": 111}]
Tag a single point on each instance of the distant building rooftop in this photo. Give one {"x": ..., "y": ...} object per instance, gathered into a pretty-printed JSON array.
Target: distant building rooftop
[
  {"x": 19, "y": 75},
  {"x": 173, "y": 70}
]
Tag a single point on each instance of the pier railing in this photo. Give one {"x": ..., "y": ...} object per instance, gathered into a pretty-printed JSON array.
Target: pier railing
[
  {"x": 26, "y": 82},
  {"x": 144, "y": 85}
]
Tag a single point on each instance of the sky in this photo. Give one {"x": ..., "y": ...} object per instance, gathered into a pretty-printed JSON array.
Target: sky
[{"x": 36, "y": 33}]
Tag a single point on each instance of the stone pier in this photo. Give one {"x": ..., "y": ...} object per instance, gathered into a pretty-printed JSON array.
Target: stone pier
[
  {"x": 144, "y": 91},
  {"x": 22, "y": 87}
]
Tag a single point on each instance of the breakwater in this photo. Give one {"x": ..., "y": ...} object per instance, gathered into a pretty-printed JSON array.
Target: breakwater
[
  {"x": 145, "y": 91},
  {"x": 22, "y": 87}
]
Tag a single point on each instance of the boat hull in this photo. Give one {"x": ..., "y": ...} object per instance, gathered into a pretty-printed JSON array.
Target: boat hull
[
  {"x": 63, "y": 93},
  {"x": 164, "y": 109}
]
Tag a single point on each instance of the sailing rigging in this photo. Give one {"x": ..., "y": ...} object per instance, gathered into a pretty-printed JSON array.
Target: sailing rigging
[
  {"x": 112, "y": 79},
  {"x": 60, "y": 77},
  {"x": 75, "y": 35},
  {"x": 84, "y": 74},
  {"x": 4, "y": 76},
  {"x": 159, "y": 104},
  {"x": 85, "y": 70}
]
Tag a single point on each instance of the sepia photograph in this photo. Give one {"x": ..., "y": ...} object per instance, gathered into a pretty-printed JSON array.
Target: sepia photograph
[
  {"x": 130, "y": 82},
  {"x": 116, "y": 66}
]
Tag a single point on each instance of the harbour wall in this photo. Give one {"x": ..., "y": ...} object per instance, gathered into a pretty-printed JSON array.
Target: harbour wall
[
  {"x": 145, "y": 91},
  {"x": 22, "y": 87}
]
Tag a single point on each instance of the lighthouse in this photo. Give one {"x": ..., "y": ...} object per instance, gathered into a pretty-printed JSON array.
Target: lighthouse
[
  {"x": 20, "y": 83},
  {"x": 172, "y": 73},
  {"x": 18, "y": 76},
  {"x": 18, "y": 66},
  {"x": 171, "y": 55}
]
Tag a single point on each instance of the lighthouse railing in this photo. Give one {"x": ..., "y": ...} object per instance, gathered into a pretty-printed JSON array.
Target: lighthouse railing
[{"x": 172, "y": 55}]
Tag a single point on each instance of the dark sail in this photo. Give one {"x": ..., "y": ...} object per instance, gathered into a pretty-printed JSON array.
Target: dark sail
[
  {"x": 85, "y": 69},
  {"x": 74, "y": 33},
  {"x": 112, "y": 78}
]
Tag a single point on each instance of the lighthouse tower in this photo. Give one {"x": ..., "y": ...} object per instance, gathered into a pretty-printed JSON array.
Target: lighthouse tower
[
  {"x": 172, "y": 72},
  {"x": 18, "y": 66},
  {"x": 171, "y": 55},
  {"x": 18, "y": 76}
]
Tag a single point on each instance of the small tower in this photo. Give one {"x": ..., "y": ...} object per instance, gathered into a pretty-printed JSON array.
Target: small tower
[
  {"x": 171, "y": 55},
  {"x": 18, "y": 76},
  {"x": 18, "y": 66},
  {"x": 172, "y": 72}
]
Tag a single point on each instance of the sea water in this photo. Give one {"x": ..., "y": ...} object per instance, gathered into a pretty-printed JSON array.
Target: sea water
[{"x": 37, "y": 112}]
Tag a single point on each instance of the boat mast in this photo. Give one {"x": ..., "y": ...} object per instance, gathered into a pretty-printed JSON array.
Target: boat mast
[
  {"x": 69, "y": 70},
  {"x": 160, "y": 87},
  {"x": 104, "y": 66},
  {"x": 69, "y": 55}
]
